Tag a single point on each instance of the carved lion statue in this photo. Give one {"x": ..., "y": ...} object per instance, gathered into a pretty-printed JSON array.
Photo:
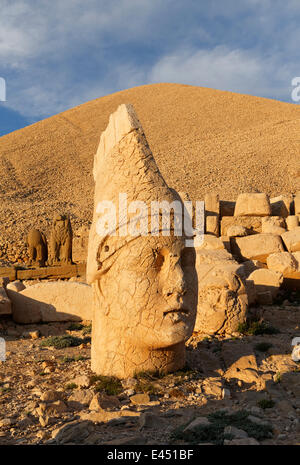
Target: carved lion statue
[
  {"x": 60, "y": 244},
  {"x": 37, "y": 248}
]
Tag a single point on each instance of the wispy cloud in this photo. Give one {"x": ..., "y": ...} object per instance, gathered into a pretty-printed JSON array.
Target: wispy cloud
[{"x": 55, "y": 55}]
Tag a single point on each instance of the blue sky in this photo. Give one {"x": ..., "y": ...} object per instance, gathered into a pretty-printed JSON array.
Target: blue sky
[{"x": 59, "y": 54}]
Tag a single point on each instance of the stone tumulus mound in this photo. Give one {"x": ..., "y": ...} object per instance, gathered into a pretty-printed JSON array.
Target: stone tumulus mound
[
  {"x": 145, "y": 286},
  {"x": 60, "y": 244}
]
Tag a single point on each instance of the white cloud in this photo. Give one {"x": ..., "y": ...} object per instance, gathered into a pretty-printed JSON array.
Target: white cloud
[
  {"x": 221, "y": 68},
  {"x": 58, "y": 54}
]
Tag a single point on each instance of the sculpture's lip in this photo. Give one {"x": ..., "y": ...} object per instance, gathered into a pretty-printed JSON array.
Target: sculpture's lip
[{"x": 177, "y": 310}]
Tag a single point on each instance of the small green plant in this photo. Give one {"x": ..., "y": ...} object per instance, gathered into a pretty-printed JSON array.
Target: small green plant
[
  {"x": 4, "y": 389},
  {"x": 76, "y": 358},
  {"x": 146, "y": 379},
  {"x": 61, "y": 342},
  {"x": 87, "y": 330},
  {"x": 149, "y": 375},
  {"x": 75, "y": 327},
  {"x": 70, "y": 386},
  {"x": 256, "y": 328},
  {"x": 266, "y": 403},
  {"x": 109, "y": 384},
  {"x": 214, "y": 432},
  {"x": 263, "y": 346},
  {"x": 277, "y": 377}
]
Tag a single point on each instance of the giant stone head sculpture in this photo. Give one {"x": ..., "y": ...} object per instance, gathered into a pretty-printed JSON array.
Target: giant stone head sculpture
[{"x": 145, "y": 283}]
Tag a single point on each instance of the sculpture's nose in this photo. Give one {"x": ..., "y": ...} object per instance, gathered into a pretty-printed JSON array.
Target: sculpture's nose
[{"x": 174, "y": 284}]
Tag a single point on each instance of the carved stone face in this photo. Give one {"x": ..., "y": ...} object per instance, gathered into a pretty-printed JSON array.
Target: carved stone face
[{"x": 148, "y": 291}]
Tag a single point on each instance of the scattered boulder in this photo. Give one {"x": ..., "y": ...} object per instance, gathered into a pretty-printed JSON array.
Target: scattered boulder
[
  {"x": 291, "y": 240},
  {"x": 257, "y": 246},
  {"x": 82, "y": 381},
  {"x": 241, "y": 442},
  {"x": 212, "y": 214},
  {"x": 252, "y": 224},
  {"x": 252, "y": 204},
  {"x": 140, "y": 399},
  {"x": 292, "y": 222},
  {"x": 235, "y": 432},
  {"x": 74, "y": 432},
  {"x": 80, "y": 398},
  {"x": 200, "y": 421},
  {"x": 236, "y": 231},
  {"x": 266, "y": 282},
  {"x": 52, "y": 301},
  {"x": 16, "y": 286},
  {"x": 273, "y": 225},
  {"x": 281, "y": 205},
  {"x": 102, "y": 401},
  {"x": 283, "y": 262},
  {"x": 211, "y": 242},
  {"x": 51, "y": 396}
]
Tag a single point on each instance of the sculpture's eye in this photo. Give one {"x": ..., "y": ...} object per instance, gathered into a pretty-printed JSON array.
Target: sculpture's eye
[
  {"x": 160, "y": 256},
  {"x": 106, "y": 248}
]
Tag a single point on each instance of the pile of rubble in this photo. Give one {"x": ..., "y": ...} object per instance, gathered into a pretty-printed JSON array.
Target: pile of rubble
[{"x": 263, "y": 236}]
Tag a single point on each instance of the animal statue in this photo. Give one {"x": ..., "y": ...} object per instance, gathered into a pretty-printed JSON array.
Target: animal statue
[
  {"x": 60, "y": 243},
  {"x": 38, "y": 249}
]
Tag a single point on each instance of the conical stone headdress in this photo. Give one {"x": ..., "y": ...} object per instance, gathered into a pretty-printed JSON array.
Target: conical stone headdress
[{"x": 124, "y": 167}]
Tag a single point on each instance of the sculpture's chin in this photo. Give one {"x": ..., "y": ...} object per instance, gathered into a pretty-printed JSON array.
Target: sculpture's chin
[{"x": 174, "y": 333}]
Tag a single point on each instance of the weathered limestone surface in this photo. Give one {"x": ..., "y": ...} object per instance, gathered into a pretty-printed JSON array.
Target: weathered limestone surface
[
  {"x": 267, "y": 282},
  {"x": 60, "y": 243},
  {"x": 297, "y": 204},
  {"x": 252, "y": 204},
  {"x": 16, "y": 286},
  {"x": 222, "y": 297},
  {"x": 257, "y": 246},
  {"x": 80, "y": 245},
  {"x": 282, "y": 205},
  {"x": 37, "y": 247},
  {"x": 212, "y": 214},
  {"x": 252, "y": 224},
  {"x": 59, "y": 272},
  {"x": 292, "y": 222},
  {"x": 211, "y": 242},
  {"x": 240, "y": 362},
  {"x": 5, "y": 303},
  {"x": 273, "y": 225},
  {"x": 144, "y": 312},
  {"x": 291, "y": 240},
  {"x": 283, "y": 262},
  {"x": 52, "y": 301},
  {"x": 236, "y": 231},
  {"x": 8, "y": 272}
]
